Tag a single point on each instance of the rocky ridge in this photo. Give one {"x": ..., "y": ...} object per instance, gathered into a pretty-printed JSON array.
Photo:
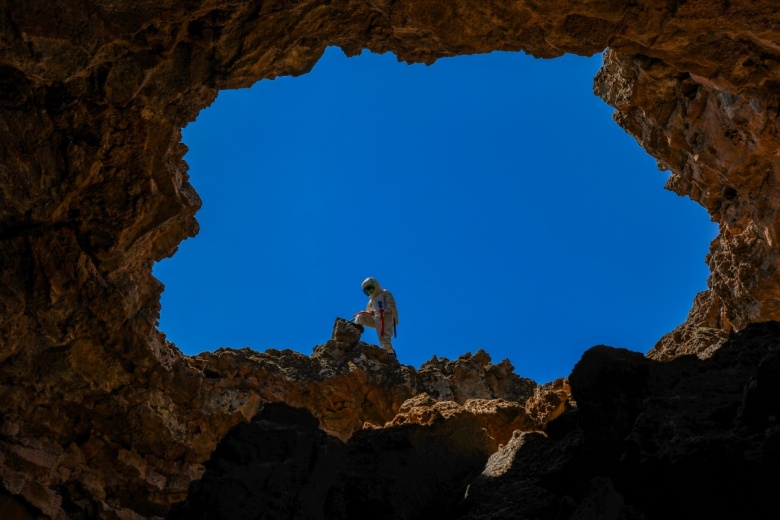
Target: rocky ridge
[
  {"x": 102, "y": 417},
  {"x": 69, "y": 466},
  {"x": 688, "y": 438}
]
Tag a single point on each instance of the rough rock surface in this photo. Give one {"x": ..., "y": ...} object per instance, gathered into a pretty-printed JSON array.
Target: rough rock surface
[
  {"x": 280, "y": 465},
  {"x": 688, "y": 438},
  {"x": 281, "y": 449},
  {"x": 137, "y": 450},
  {"x": 102, "y": 417}
]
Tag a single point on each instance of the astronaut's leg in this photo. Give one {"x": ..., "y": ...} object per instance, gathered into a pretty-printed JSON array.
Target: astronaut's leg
[
  {"x": 386, "y": 341},
  {"x": 365, "y": 319}
]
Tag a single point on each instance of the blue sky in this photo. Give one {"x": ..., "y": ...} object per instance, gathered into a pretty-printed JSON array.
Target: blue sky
[{"x": 493, "y": 195}]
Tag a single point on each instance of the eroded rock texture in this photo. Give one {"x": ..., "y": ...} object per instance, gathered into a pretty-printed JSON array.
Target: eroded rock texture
[
  {"x": 103, "y": 418},
  {"x": 88, "y": 453},
  {"x": 688, "y": 438},
  {"x": 409, "y": 471}
]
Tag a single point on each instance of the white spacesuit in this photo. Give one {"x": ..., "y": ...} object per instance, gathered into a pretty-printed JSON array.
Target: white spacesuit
[{"x": 380, "y": 314}]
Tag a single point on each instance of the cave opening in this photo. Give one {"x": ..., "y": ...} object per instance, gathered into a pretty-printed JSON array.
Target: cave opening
[{"x": 493, "y": 194}]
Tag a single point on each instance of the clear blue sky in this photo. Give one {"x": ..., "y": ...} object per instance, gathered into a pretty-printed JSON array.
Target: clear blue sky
[{"x": 493, "y": 195}]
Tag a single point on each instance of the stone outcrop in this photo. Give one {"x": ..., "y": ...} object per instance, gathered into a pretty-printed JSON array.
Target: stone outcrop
[
  {"x": 346, "y": 383},
  {"x": 688, "y": 438},
  {"x": 280, "y": 465},
  {"x": 718, "y": 137},
  {"x": 497, "y": 418},
  {"x": 101, "y": 417},
  {"x": 136, "y": 450},
  {"x": 281, "y": 449}
]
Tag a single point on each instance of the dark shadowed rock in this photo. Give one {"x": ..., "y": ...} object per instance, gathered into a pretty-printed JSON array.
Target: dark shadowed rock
[
  {"x": 279, "y": 465},
  {"x": 685, "y": 439}
]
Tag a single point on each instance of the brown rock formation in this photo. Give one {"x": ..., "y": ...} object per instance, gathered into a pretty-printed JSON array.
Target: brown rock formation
[
  {"x": 101, "y": 417},
  {"x": 718, "y": 136},
  {"x": 281, "y": 466},
  {"x": 347, "y": 383},
  {"x": 497, "y": 418},
  {"x": 550, "y": 401},
  {"x": 282, "y": 448},
  {"x": 680, "y": 439},
  {"x": 138, "y": 448},
  {"x": 688, "y": 438}
]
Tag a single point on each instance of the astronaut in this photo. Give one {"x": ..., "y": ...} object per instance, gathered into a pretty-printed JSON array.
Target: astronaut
[{"x": 380, "y": 314}]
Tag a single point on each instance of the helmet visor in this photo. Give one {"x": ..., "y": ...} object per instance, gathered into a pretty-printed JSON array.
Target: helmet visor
[{"x": 369, "y": 289}]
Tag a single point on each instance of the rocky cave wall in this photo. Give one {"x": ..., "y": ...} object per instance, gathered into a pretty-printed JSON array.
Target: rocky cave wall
[{"x": 94, "y": 190}]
